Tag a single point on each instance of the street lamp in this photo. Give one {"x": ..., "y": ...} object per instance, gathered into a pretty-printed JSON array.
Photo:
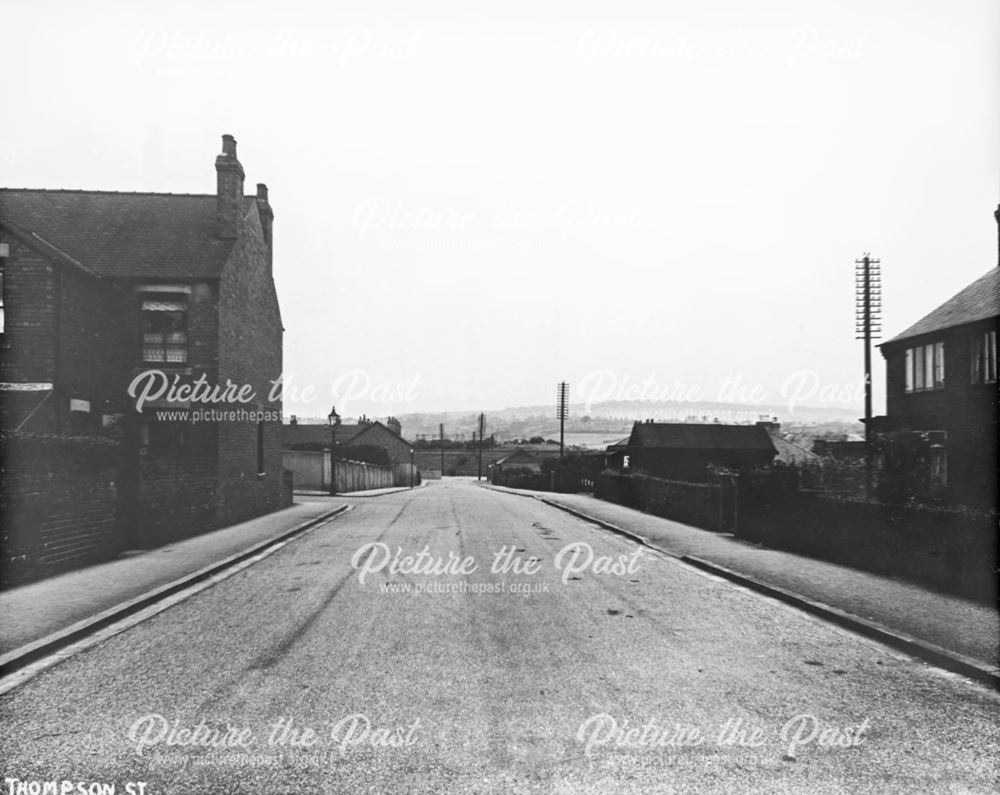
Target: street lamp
[
  {"x": 334, "y": 419},
  {"x": 411, "y": 467}
]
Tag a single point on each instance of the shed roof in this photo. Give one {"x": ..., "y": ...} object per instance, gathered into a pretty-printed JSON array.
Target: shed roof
[{"x": 693, "y": 436}]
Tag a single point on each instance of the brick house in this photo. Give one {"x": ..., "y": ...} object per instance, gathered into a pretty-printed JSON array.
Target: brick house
[
  {"x": 366, "y": 432},
  {"x": 373, "y": 433},
  {"x": 941, "y": 391},
  {"x": 104, "y": 292}
]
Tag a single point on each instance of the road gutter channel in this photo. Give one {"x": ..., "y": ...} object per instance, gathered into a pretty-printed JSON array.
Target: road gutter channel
[
  {"x": 31, "y": 652},
  {"x": 928, "y": 652}
]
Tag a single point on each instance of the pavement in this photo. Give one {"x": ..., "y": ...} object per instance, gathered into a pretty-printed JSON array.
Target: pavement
[
  {"x": 365, "y": 493},
  {"x": 494, "y": 644},
  {"x": 969, "y": 631},
  {"x": 36, "y": 610}
]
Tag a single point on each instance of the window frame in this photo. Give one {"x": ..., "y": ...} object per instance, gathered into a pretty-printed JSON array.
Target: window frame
[
  {"x": 4, "y": 256},
  {"x": 983, "y": 357},
  {"x": 164, "y": 293},
  {"x": 924, "y": 368}
]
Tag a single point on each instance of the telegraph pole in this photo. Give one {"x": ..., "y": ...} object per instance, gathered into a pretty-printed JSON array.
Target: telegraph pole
[
  {"x": 482, "y": 430},
  {"x": 441, "y": 435},
  {"x": 868, "y": 326},
  {"x": 562, "y": 410}
]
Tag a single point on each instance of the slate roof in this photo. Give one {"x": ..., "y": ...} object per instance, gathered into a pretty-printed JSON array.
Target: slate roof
[
  {"x": 979, "y": 301},
  {"x": 692, "y": 436},
  {"x": 318, "y": 432},
  {"x": 523, "y": 456},
  {"x": 362, "y": 429},
  {"x": 125, "y": 235},
  {"x": 346, "y": 433}
]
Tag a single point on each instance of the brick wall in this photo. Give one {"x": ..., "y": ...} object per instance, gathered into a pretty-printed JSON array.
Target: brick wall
[
  {"x": 954, "y": 550},
  {"x": 169, "y": 488},
  {"x": 60, "y": 328},
  {"x": 89, "y": 360},
  {"x": 178, "y": 495},
  {"x": 696, "y": 504},
  {"x": 377, "y": 436},
  {"x": 57, "y": 505},
  {"x": 29, "y": 310},
  {"x": 250, "y": 352},
  {"x": 204, "y": 475},
  {"x": 27, "y": 346}
]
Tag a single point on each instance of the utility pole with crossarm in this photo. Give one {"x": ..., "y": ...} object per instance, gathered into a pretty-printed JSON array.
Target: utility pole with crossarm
[{"x": 868, "y": 326}]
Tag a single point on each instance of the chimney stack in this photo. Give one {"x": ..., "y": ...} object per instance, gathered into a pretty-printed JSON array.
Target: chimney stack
[
  {"x": 266, "y": 219},
  {"x": 996, "y": 214},
  {"x": 229, "y": 193}
]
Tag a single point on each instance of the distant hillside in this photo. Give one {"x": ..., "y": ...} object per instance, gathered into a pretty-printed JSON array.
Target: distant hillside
[{"x": 615, "y": 419}]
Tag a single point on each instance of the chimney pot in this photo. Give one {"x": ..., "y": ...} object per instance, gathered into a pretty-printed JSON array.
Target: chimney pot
[
  {"x": 266, "y": 219},
  {"x": 229, "y": 188},
  {"x": 996, "y": 214}
]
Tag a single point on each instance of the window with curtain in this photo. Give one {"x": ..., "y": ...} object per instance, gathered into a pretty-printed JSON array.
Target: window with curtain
[
  {"x": 984, "y": 358},
  {"x": 164, "y": 329},
  {"x": 925, "y": 367}
]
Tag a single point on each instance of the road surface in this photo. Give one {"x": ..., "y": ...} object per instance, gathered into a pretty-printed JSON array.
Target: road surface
[{"x": 459, "y": 639}]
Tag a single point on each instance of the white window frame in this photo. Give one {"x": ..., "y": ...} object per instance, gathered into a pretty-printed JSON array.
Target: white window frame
[
  {"x": 924, "y": 368},
  {"x": 984, "y": 357}
]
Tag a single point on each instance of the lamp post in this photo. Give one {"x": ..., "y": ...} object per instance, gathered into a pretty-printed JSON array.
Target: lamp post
[
  {"x": 334, "y": 419},
  {"x": 411, "y": 467}
]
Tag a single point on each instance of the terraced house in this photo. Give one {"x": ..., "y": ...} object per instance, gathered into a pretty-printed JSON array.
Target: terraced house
[{"x": 100, "y": 290}]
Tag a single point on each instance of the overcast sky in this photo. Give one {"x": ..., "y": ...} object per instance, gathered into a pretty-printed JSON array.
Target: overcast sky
[{"x": 473, "y": 203}]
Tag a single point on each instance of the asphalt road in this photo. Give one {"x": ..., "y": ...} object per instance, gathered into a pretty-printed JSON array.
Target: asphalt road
[{"x": 597, "y": 668}]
